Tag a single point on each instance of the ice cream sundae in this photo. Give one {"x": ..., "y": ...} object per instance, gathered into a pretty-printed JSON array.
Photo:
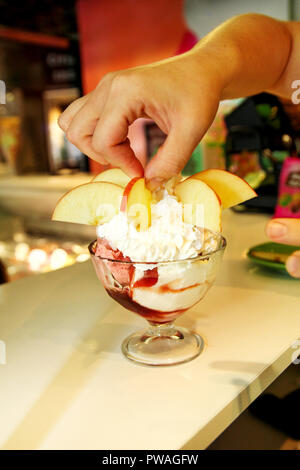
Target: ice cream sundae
[{"x": 156, "y": 253}]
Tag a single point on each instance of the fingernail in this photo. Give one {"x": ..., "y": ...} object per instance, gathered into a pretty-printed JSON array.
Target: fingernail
[
  {"x": 60, "y": 122},
  {"x": 293, "y": 265},
  {"x": 276, "y": 230},
  {"x": 154, "y": 183}
]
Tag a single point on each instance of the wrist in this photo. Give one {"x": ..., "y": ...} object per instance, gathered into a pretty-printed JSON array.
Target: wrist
[{"x": 220, "y": 64}]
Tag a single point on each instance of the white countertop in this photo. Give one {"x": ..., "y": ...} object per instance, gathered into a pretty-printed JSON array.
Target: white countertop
[
  {"x": 44, "y": 182},
  {"x": 66, "y": 384},
  {"x": 19, "y": 194}
]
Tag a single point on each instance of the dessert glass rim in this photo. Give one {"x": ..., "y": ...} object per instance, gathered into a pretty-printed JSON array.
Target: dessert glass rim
[{"x": 220, "y": 247}]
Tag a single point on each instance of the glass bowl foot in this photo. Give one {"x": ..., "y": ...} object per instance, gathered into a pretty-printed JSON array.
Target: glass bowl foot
[{"x": 163, "y": 346}]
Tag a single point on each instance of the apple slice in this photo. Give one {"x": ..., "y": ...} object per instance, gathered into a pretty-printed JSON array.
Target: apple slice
[
  {"x": 201, "y": 205},
  {"x": 230, "y": 188},
  {"x": 113, "y": 175},
  {"x": 90, "y": 204},
  {"x": 136, "y": 202}
]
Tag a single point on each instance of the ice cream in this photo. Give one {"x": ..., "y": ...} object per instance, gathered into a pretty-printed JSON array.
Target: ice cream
[
  {"x": 168, "y": 238},
  {"x": 152, "y": 254},
  {"x": 142, "y": 265}
]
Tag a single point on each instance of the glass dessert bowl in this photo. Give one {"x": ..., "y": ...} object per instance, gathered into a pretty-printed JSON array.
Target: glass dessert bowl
[
  {"x": 151, "y": 252},
  {"x": 160, "y": 292}
]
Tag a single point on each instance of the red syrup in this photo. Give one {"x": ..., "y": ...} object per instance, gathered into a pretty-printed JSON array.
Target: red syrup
[
  {"x": 124, "y": 296},
  {"x": 149, "y": 279},
  {"x": 155, "y": 316}
]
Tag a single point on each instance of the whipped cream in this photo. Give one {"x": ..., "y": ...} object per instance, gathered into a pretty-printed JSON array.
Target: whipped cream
[{"x": 168, "y": 238}]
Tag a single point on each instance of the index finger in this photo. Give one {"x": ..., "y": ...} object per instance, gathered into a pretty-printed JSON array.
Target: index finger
[
  {"x": 110, "y": 138},
  {"x": 68, "y": 114}
]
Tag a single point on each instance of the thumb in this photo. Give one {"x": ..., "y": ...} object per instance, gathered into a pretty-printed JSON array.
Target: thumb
[
  {"x": 173, "y": 155},
  {"x": 293, "y": 264},
  {"x": 285, "y": 231}
]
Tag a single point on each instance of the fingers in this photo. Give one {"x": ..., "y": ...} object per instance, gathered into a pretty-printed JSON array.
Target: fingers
[
  {"x": 95, "y": 98},
  {"x": 174, "y": 154},
  {"x": 66, "y": 117},
  {"x": 80, "y": 119},
  {"x": 293, "y": 264},
  {"x": 110, "y": 138},
  {"x": 81, "y": 129},
  {"x": 285, "y": 231},
  {"x": 95, "y": 124}
]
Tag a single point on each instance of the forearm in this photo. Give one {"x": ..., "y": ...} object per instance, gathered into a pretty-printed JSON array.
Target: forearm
[{"x": 250, "y": 53}]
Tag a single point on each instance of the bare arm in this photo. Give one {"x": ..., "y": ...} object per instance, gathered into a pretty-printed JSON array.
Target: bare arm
[{"x": 255, "y": 53}]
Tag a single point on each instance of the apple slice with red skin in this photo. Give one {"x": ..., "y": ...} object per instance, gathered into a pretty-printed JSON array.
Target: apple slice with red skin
[
  {"x": 113, "y": 175},
  {"x": 90, "y": 204},
  {"x": 136, "y": 202},
  {"x": 126, "y": 192},
  {"x": 230, "y": 188},
  {"x": 201, "y": 205}
]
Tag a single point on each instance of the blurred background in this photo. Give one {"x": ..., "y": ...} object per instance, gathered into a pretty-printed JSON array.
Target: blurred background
[{"x": 53, "y": 52}]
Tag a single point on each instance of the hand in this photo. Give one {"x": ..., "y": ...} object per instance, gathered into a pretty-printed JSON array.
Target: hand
[
  {"x": 287, "y": 231},
  {"x": 180, "y": 94}
]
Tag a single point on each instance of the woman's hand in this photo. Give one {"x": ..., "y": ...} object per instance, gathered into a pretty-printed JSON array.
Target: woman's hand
[
  {"x": 287, "y": 231},
  {"x": 180, "y": 94}
]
